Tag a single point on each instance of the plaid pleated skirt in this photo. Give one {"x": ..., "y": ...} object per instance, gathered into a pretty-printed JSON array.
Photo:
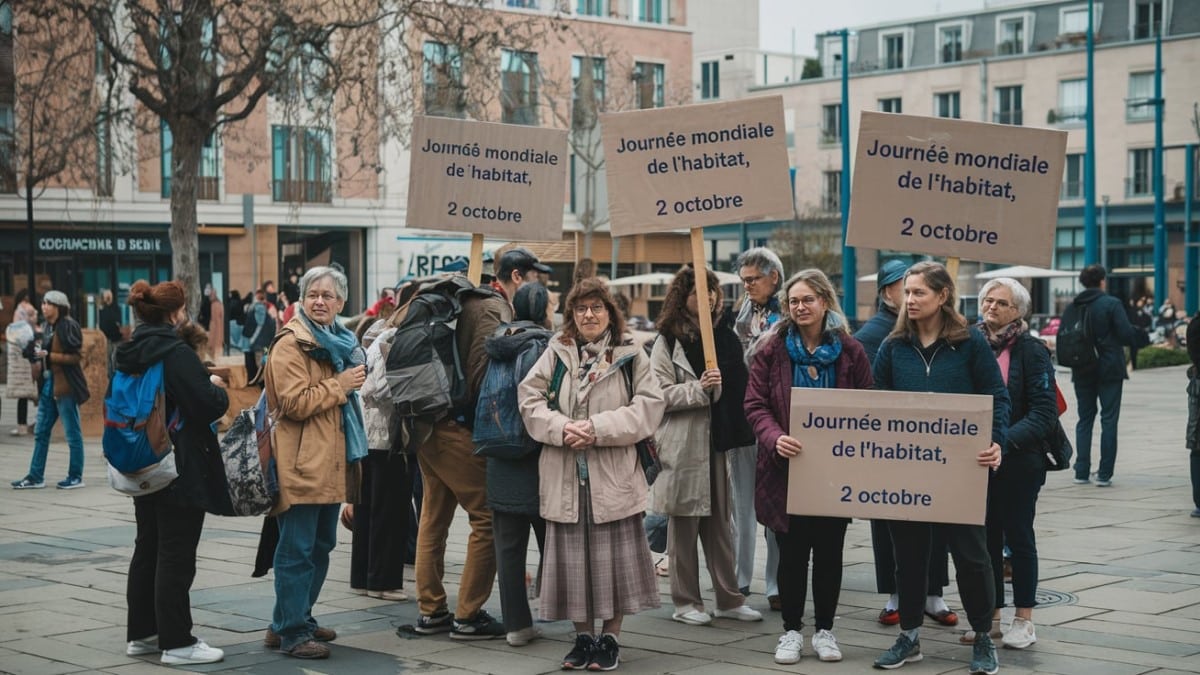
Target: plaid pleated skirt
[{"x": 592, "y": 571}]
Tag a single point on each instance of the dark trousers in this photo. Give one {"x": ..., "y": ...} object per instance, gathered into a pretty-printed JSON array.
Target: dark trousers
[
  {"x": 162, "y": 570},
  {"x": 973, "y": 570},
  {"x": 511, "y": 533},
  {"x": 1011, "y": 506},
  {"x": 252, "y": 358},
  {"x": 381, "y": 521},
  {"x": 1109, "y": 396},
  {"x": 885, "y": 560},
  {"x": 824, "y": 538},
  {"x": 23, "y": 411}
]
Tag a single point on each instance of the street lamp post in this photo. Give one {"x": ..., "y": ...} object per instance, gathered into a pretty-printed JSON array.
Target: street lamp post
[
  {"x": 1160, "y": 226},
  {"x": 1104, "y": 231},
  {"x": 1089, "y": 156},
  {"x": 849, "y": 258}
]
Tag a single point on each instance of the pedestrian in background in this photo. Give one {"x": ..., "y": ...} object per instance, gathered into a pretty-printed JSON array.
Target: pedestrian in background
[
  {"x": 109, "y": 320},
  {"x": 22, "y": 383},
  {"x": 1193, "y": 423}
]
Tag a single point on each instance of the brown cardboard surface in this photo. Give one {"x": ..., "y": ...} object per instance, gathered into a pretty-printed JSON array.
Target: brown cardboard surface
[
  {"x": 501, "y": 180},
  {"x": 930, "y": 476},
  {"x": 696, "y": 165},
  {"x": 986, "y": 192}
]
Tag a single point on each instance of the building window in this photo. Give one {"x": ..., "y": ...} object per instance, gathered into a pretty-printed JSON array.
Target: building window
[
  {"x": 301, "y": 164},
  {"x": 300, "y": 70},
  {"x": 1139, "y": 183},
  {"x": 1073, "y": 20},
  {"x": 1072, "y": 187},
  {"x": 831, "y": 124},
  {"x": 650, "y": 84},
  {"x": 893, "y": 51},
  {"x": 1072, "y": 102},
  {"x": 518, "y": 87},
  {"x": 710, "y": 80},
  {"x": 1010, "y": 37},
  {"x": 104, "y": 155},
  {"x": 587, "y": 86},
  {"x": 950, "y": 43},
  {"x": 890, "y": 105},
  {"x": 831, "y": 191},
  {"x": 441, "y": 69},
  {"x": 207, "y": 180},
  {"x": 651, "y": 11},
  {"x": 946, "y": 105},
  {"x": 1008, "y": 105},
  {"x": 1147, "y": 18},
  {"x": 8, "y": 148},
  {"x": 522, "y": 4},
  {"x": 590, "y": 7},
  {"x": 1140, "y": 103}
]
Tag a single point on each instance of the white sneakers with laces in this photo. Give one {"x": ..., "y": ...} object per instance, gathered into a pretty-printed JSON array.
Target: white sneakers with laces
[
  {"x": 790, "y": 646},
  {"x": 1020, "y": 634},
  {"x": 739, "y": 613},
  {"x": 826, "y": 646},
  {"x": 192, "y": 654}
]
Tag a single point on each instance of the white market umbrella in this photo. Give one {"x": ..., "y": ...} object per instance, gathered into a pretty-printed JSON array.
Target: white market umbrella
[
  {"x": 728, "y": 278},
  {"x": 1025, "y": 272},
  {"x": 653, "y": 278},
  {"x": 868, "y": 277}
]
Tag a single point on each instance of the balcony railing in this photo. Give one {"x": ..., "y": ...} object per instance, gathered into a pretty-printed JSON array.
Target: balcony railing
[
  {"x": 312, "y": 191},
  {"x": 1008, "y": 117},
  {"x": 207, "y": 187},
  {"x": 830, "y": 137},
  {"x": 1068, "y": 115},
  {"x": 1139, "y": 186}
]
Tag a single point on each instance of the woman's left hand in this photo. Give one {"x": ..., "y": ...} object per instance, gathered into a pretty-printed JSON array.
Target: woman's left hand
[
  {"x": 579, "y": 434},
  {"x": 990, "y": 457}
]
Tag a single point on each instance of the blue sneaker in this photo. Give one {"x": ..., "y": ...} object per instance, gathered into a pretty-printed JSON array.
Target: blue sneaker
[
  {"x": 904, "y": 651},
  {"x": 70, "y": 483},
  {"x": 983, "y": 656},
  {"x": 28, "y": 483}
]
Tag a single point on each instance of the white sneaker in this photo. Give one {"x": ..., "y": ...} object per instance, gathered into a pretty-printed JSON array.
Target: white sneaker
[
  {"x": 142, "y": 647},
  {"x": 197, "y": 653},
  {"x": 520, "y": 638},
  {"x": 826, "y": 646},
  {"x": 395, "y": 594},
  {"x": 789, "y": 648},
  {"x": 740, "y": 613},
  {"x": 1020, "y": 635},
  {"x": 692, "y": 617}
]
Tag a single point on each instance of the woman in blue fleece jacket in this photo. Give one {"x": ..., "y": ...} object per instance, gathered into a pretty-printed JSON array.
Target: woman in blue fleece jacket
[{"x": 934, "y": 349}]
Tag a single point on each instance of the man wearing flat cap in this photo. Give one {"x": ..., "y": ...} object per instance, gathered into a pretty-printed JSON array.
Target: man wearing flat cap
[{"x": 62, "y": 389}]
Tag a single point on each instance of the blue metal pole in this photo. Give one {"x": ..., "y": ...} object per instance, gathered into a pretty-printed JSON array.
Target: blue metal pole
[
  {"x": 1160, "y": 225},
  {"x": 1090, "y": 247},
  {"x": 849, "y": 260},
  {"x": 1191, "y": 240}
]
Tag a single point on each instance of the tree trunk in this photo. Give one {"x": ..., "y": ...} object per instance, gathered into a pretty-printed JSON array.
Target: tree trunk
[{"x": 185, "y": 245}]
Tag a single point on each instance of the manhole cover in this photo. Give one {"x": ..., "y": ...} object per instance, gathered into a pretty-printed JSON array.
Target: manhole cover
[{"x": 1048, "y": 598}]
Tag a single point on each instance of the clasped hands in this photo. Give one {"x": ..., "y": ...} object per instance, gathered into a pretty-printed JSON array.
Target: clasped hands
[{"x": 579, "y": 434}]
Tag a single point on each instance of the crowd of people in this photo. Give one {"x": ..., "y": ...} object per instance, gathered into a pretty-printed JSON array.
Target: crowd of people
[{"x": 594, "y": 395}]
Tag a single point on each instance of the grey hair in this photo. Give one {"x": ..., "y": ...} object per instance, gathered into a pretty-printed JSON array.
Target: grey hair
[
  {"x": 1020, "y": 295},
  {"x": 763, "y": 259},
  {"x": 341, "y": 285}
]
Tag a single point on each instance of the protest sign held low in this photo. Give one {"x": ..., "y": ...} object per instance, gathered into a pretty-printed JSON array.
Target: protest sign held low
[
  {"x": 971, "y": 190},
  {"x": 888, "y": 454}
]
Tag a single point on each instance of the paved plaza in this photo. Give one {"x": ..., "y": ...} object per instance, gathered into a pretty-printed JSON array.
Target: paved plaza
[{"x": 1120, "y": 581}]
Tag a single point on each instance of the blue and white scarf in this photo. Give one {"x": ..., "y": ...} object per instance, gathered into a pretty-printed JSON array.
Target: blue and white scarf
[
  {"x": 341, "y": 349},
  {"x": 816, "y": 369}
]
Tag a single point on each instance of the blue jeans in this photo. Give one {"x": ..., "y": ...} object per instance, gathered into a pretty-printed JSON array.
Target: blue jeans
[
  {"x": 307, "y": 533},
  {"x": 1086, "y": 395},
  {"x": 49, "y": 411}
]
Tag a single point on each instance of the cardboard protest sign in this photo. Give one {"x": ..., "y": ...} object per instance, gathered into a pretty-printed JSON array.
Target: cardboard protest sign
[
  {"x": 502, "y": 180},
  {"x": 938, "y": 186},
  {"x": 691, "y": 166},
  {"x": 889, "y": 454}
]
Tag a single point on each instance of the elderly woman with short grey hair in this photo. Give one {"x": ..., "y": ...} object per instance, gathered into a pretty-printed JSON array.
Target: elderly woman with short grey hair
[
  {"x": 314, "y": 370},
  {"x": 1013, "y": 489}
]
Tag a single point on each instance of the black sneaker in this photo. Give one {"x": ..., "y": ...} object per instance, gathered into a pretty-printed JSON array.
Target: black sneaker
[
  {"x": 482, "y": 627},
  {"x": 581, "y": 655},
  {"x": 606, "y": 655},
  {"x": 438, "y": 622}
]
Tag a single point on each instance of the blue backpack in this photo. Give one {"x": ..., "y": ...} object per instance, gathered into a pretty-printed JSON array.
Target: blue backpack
[
  {"x": 137, "y": 433},
  {"x": 499, "y": 430}
]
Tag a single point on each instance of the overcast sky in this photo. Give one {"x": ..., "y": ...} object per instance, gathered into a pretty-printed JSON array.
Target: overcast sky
[{"x": 777, "y": 18}]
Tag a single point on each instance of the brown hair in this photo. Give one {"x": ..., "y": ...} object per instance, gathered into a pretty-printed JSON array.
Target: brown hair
[
  {"x": 674, "y": 320},
  {"x": 954, "y": 325},
  {"x": 586, "y": 290},
  {"x": 156, "y": 304}
]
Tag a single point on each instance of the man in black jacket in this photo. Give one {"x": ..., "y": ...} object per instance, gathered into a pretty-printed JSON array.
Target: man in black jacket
[{"x": 1109, "y": 328}]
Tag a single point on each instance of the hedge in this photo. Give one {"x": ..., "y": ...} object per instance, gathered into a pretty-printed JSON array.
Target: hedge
[{"x": 1158, "y": 357}]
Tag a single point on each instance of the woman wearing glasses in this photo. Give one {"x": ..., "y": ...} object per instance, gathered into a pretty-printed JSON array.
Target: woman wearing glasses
[
  {"x": 589, "y": 399},
  {"x": 812, "y": 348}
]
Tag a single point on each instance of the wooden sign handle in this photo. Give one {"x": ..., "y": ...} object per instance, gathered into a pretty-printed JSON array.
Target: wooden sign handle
[
  {"x": 706, "y": 325},
  {"x": 475, "y": 265},
  {"x": 952, "y": 269}
]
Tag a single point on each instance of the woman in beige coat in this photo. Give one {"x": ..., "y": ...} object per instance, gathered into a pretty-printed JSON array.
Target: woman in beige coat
[{"x": 589, "y": 399}]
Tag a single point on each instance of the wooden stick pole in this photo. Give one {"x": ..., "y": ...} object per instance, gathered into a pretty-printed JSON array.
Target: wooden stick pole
[
  {"x": 952, "y": 269},
  {"x": 706, "y": 325},
  {"x": 475, "y": 265}
]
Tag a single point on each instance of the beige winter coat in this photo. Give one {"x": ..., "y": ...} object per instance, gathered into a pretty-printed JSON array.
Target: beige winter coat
[
  {"x": 684, "y": 443},
  {"x": 617, "y": 484}
]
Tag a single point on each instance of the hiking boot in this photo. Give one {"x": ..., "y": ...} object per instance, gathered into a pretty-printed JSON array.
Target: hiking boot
[
  {"x": 606, "y": 655},
  {"x": 72, "y": 482},
  {"x": 322, "y": 634},
  {"x": 142, "y": 647},
  {"x": 581, "y": 654},
  {"x": 1020, "y": 635},
  {"x": 191, "y": 654},
  {"x": 790, "y": 646},
  {"x": 904, "y": 651},
  {"x": 441, "y": 621},
  {"x": 826, "y": 646},
  {"x": 310, "y": 649},
  {"x": 482, "y": 627},
  {"x": 28, "y": 483},
  {"x": 983, "y": 656}
]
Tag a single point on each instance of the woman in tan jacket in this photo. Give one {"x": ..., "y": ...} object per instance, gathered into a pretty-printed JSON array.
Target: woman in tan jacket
[
  {"x": 313, "y": 374},
  {"x": 589, "y": 399}
]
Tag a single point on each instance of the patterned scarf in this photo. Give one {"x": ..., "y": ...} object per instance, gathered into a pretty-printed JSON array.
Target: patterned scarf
[
  {"x": 814, "y": 369},
  {"x": 593, "y": 361},
  {"x": 340, "y": 348},
  {"x": 1003, "y": 338}
]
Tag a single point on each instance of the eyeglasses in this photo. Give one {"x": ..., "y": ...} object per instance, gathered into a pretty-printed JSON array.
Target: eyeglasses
[
  {"x": 807, "y": 301},
  {"x": 326, "y": 297},
  {"x": 750, "y": 281},
  {"x": 596, "y": 309},
  {"x": 1000, "y": 304}
]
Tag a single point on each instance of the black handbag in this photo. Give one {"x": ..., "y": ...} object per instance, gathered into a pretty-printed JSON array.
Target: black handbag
[
  {"x": 647, "y": 448},
  {"x": 1056, "y": 448}
]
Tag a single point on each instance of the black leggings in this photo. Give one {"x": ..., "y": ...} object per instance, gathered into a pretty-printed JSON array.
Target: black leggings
[{"x": 825, "y": 539}]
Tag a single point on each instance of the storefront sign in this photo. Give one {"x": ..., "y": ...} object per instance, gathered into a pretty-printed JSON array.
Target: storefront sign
[
  {"x": 690, "y": 166},
  {"x": 889, "y": 454},
  {"x": 937, "y": 186},
  {"x": 103, "y": 243}
]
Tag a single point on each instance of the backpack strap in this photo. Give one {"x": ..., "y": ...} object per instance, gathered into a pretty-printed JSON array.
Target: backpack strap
[{"x": 560, "y": 371}]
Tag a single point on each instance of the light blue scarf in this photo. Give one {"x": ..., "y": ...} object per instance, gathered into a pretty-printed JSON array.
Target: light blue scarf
[{"x": 340, "y": 348}]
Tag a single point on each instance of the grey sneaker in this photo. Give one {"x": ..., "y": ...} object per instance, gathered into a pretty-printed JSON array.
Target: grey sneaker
[
  {"x": 904, "y": 651},
  {"x": 983, "y": 656}
]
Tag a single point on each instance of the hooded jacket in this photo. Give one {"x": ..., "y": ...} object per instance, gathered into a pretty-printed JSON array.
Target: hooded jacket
[
  {"x": 876, "y": 329},
  {"x": 1109, "y": 327},
  {"x": 201, "y": 481}
]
